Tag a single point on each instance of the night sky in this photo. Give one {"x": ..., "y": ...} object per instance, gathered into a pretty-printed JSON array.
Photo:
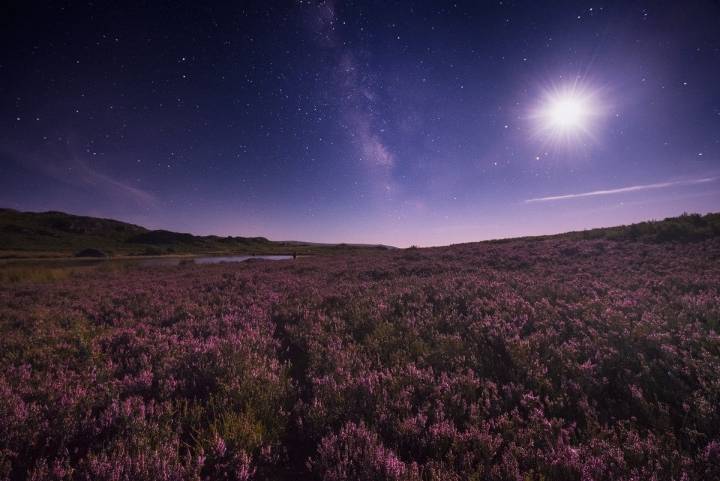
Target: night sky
[{"x": 400, "y": 123}]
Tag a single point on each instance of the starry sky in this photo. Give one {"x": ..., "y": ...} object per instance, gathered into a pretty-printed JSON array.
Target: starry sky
[{"x": 390, "y": 122}]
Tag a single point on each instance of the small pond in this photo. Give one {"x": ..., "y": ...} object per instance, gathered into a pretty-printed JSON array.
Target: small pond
[
  {"x": 174, "y": 261},
  {"x": 137, "y": 261}
]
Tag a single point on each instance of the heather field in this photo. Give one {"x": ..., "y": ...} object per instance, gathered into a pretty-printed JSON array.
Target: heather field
[{"x": 548, "y": 359}]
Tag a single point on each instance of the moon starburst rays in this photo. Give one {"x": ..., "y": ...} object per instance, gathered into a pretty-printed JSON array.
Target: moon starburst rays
[{"x": 566, "y": 115}]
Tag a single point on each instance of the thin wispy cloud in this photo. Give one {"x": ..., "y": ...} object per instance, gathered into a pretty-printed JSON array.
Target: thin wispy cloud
[
  {"x": 71, "y": 168},
  {"x": 622, "y": 190},
  {"x": 101, "y": 181}
]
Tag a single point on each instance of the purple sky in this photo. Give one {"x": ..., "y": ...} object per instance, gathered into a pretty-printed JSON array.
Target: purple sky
[{"x": 372, "y": 122}]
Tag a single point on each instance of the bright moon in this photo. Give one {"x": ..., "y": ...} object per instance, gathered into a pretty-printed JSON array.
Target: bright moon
[
  {"x": 567, "y": 112},
  {"x": 567, "y": 115}
]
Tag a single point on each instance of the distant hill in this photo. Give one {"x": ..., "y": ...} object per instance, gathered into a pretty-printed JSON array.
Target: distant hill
[
  {"x": 684, "y": 228},
  {"x": 57, "y": 234}
]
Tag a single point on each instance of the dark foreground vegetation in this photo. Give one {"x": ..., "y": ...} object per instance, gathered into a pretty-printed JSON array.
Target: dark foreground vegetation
[{"x": 543, "y": 359}]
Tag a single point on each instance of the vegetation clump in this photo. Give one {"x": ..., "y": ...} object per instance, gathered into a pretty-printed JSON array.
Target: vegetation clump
[{"x": 90, "y": 252}]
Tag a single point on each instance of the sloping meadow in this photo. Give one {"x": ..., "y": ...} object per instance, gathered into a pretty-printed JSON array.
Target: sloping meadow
[{"x": 520, "y": 360}]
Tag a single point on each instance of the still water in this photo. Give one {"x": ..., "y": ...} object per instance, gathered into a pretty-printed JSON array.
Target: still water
[
  {"x": 174, "y": 261},
  {"x": 137, "y": 261}
]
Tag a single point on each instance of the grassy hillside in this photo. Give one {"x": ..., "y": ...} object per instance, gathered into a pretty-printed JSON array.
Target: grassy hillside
[
  {"x": 56, "y": 234},
  {"x": 684, "y": 228}
]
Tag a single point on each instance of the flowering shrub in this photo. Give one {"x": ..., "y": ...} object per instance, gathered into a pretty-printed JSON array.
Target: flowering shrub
[{"x": 517, "y": 360}]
